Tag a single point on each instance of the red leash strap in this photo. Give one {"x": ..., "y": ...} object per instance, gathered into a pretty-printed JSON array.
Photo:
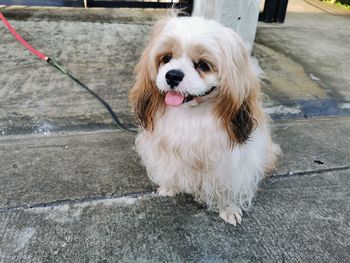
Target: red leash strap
[
  {"x": 20, "y": 39},
  {"x": 53, "y": 63}
]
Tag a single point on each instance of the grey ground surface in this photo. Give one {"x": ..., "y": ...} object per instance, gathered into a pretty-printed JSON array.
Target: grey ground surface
[{"x": 72, "y": 188}]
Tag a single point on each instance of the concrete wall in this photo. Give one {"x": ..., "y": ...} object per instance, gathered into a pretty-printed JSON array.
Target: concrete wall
[{"x": 240, "y": 15}]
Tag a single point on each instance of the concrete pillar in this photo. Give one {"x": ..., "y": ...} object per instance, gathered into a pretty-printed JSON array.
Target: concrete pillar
[{"x": 240, "y": 15}]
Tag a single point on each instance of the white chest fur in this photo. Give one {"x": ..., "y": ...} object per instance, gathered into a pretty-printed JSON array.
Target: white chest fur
[{"x": 188, "y": 151}]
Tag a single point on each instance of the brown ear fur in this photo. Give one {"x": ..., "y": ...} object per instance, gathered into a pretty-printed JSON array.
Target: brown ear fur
[
  {"x": 242, "y": 123},
  {"x": 240, "y": 115},
  {"x": 144, "y": 96},
  {"x": 239, "y": 119},
  {"x": 238, "y": 105}
]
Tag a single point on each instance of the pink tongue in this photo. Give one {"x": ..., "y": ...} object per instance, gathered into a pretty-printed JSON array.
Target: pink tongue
[{"x": 174, "y": 98}]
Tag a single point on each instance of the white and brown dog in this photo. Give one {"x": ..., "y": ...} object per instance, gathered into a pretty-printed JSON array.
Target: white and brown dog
[{"x": 198, "y": 101}]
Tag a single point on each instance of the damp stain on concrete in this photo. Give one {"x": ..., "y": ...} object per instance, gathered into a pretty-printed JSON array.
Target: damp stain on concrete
[{"x": 285, "y": 79}]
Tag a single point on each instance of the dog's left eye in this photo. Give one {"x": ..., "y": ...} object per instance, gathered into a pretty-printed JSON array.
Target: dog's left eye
[
  {"x": 202, "y": 65},
  {"x": 166, "y": 58}
]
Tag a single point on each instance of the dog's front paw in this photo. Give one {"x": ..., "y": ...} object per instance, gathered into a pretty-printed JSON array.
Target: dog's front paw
[
  {"x": 162, "y": 191},
  {"x": 231, "y": 216}
]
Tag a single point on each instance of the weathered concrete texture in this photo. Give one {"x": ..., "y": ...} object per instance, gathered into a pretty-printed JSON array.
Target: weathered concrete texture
[
  {"x": 36, "y": 97},
  {"x": 99, "y": 15},
  {"x": 74, "y": 166},
  {"x": 64, "y": 170},
  {"x": 284, "y": 79},
  {"x": 305, "y": 61},
  {"x": 296, "y": 219},
  {"x": 316, "y": 40},
  {"x": 41, "y": 169},
  {"x": 314, "y": 144}
]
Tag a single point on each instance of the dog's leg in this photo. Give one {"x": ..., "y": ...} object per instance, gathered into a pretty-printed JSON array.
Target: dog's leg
[
  {"x": 167, "y": 191},
  {"x": 231, "y": 215}
]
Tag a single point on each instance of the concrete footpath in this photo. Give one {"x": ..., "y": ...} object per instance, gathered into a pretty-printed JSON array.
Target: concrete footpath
[{"x": 72, "y": 188}]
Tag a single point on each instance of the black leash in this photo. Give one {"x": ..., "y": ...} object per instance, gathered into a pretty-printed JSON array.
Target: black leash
[
  {"x": 54, "y": 63},
  {"x": 114, "y": 116}
]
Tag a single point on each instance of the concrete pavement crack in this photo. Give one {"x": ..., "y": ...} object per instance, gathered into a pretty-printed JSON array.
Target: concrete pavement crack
[
  {"x": 317, "y": 171},
  {"x": 76, "y": 201},
  {"x": 141, "y": 194}
]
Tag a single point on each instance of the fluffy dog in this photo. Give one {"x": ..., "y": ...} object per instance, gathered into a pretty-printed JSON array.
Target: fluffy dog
[{"x": 203, "y": 130}]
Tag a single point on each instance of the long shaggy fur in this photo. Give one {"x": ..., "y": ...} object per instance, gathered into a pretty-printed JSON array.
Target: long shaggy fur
[{"x": 217, "y": 146}]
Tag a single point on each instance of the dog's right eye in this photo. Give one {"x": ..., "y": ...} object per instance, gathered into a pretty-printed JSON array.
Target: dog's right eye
[
  {"x": 202, "y": 65},
  {"x": 166, "y": 58}
]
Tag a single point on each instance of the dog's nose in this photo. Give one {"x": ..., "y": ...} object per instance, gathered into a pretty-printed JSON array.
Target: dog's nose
[{"x": 174, "y": 77}]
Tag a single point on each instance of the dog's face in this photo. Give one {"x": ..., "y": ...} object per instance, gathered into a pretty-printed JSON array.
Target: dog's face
[
  {"x": 186, "y": 62},
  {"x": 191, "y": 57}
]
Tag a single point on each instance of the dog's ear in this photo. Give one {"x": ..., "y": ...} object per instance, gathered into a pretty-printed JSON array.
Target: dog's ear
[
  {"x": 144, "y": 96},
  {"x": 242, "y": 123},
  {"x": 239, "y": 120},
  {"x": 238, "y": 104}
]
